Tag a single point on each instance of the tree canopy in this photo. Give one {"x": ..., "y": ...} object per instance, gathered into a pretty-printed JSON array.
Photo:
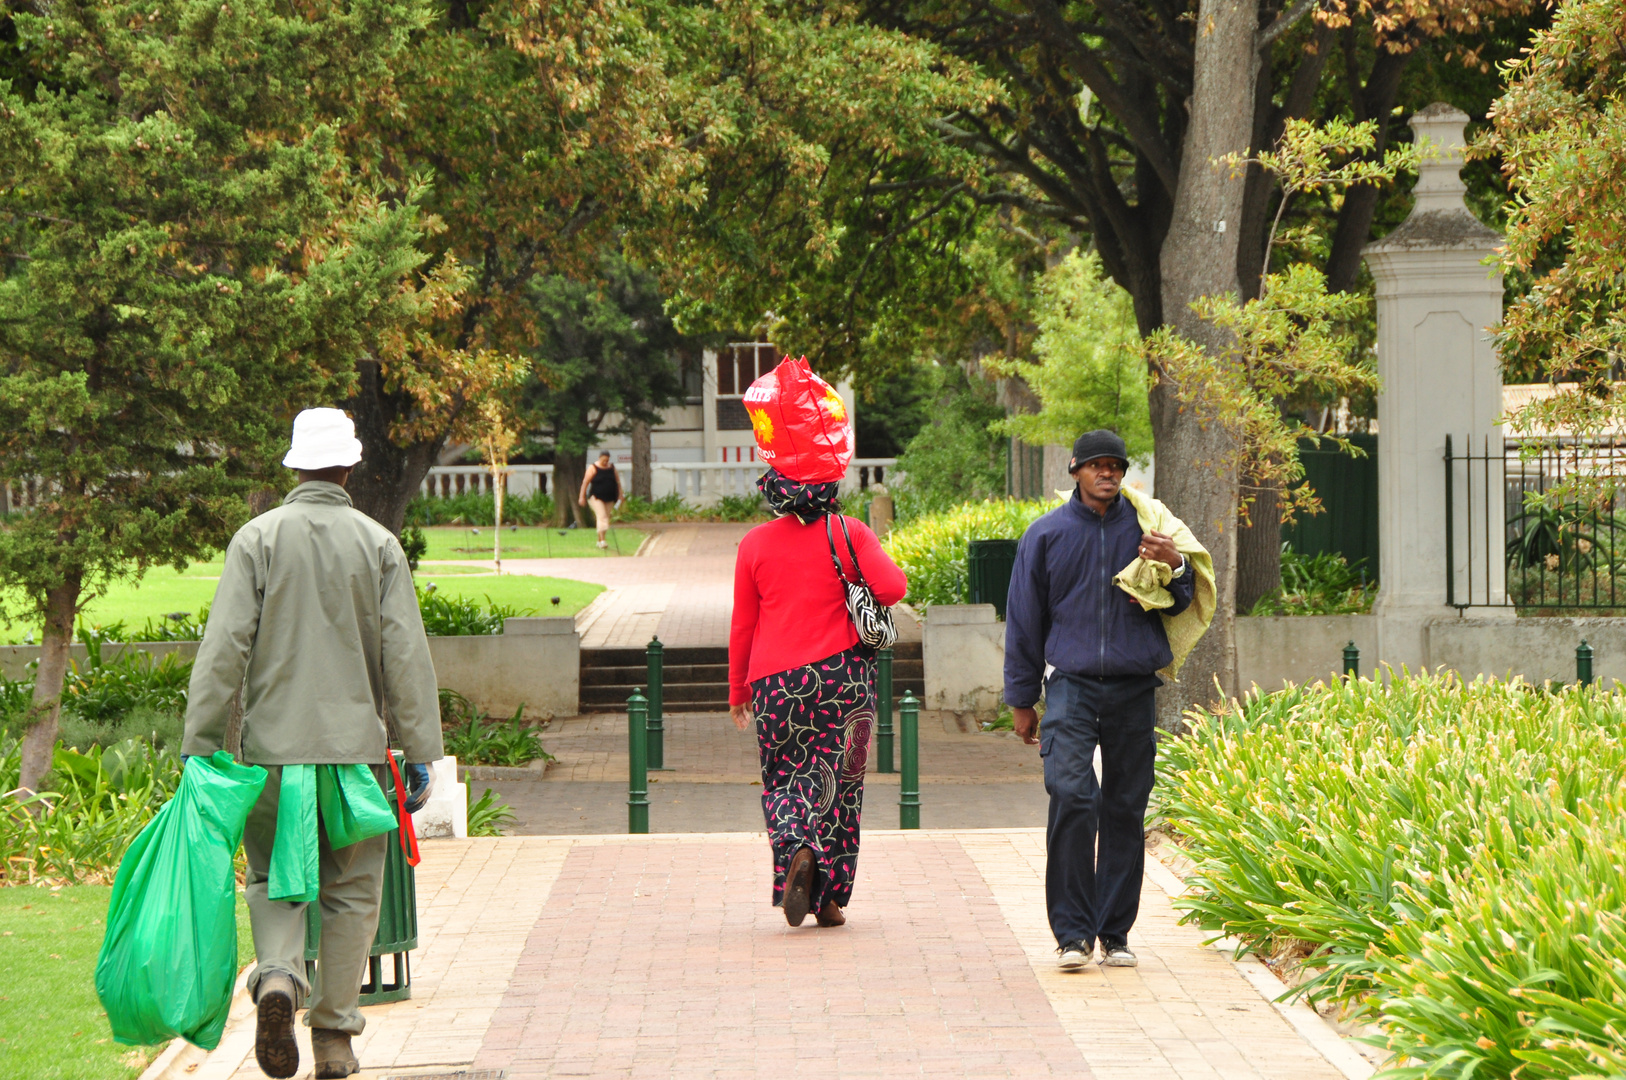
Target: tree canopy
[
  {"x": 183, "y": 263},
  {"x": 1562, "y": 145},
  {"x": 608, "y": 357}
]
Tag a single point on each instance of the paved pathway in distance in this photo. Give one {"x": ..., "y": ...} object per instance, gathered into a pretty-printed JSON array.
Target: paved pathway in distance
[
  {"x": 659, "y": 956},
  {"x": 680, "y": 586}
]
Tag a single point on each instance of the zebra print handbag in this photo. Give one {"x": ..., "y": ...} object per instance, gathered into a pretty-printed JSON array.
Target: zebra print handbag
[{"x": 872, "y": 620}]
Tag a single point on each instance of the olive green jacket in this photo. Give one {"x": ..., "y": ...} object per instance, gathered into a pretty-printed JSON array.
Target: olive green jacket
[{"x": 316, "y": 620}]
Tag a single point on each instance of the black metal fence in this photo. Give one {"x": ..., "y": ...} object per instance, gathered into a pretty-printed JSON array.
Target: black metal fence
[{"x": 1536, "y": 527}]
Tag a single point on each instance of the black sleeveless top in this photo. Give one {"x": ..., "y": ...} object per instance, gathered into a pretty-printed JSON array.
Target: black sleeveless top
[{"x": 604, "y": 484}]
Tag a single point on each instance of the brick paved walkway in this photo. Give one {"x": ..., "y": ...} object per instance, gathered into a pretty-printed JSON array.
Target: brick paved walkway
[
  {"x": 713, "y": 780},
  {"x": 660, "y": 957}
]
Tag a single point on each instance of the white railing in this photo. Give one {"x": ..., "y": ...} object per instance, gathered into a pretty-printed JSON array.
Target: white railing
[
  {"x": 445, "y": 481},
  {"x": 704, "y": 482},
  {"x": 862, "y": 472},
  {"x": 699, "y": 482}
]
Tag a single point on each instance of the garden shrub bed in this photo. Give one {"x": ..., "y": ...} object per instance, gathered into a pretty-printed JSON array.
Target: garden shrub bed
[
  {"x": 932, "y": 549},
  {"x": 118, "y": 757},
  {"x": 1438, "y": 856}
]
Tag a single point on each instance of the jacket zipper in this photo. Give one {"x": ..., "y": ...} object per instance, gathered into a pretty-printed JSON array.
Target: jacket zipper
[{"x": 1101, "y": 606}]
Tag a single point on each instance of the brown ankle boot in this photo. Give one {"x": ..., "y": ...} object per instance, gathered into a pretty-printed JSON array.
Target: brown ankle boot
[
  {"x": 830, "y": 914},
  {"x": 334, "y": 1058},
  {"x": 274, "y": 1047}
]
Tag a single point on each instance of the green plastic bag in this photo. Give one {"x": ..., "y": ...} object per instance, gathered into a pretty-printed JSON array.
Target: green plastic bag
[
  {"x": 169, "y": 957},
  {"x": 353, "y": 808},
  {"x": 353, "y": 805}
]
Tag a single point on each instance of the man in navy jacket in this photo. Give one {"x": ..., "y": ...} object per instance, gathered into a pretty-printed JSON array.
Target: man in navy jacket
[{"x": 1094, "y": 652}]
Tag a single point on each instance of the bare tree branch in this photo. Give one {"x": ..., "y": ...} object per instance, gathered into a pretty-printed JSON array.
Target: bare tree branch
[{"x": 1284, "y": 22}]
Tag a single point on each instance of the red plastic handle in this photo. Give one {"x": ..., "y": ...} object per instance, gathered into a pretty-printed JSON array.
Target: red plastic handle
[{"x": 408, "y": 831}]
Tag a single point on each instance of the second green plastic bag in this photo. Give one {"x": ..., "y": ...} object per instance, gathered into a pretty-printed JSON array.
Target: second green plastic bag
[
  {"x": 169, "y": 957},
  {"x": 352, "y": 808}
]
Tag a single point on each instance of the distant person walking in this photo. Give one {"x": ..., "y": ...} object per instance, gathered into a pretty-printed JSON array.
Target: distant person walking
[
  {"x": 601, "y": 489},
  {"x": 1109, "y": 592},
  {"x": 795, "y": 661},
  {"x": 316, "y": 624}
]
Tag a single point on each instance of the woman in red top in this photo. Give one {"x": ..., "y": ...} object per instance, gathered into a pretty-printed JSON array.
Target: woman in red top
[{"x": 811, "y": 688}]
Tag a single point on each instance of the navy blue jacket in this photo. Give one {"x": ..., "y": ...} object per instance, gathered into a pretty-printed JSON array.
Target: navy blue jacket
[{"x": 1063, "y": 608}]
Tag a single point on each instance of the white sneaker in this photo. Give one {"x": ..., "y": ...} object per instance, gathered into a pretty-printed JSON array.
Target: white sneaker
[
  {"x": 1117, "y": 956},
  {"x": 1072, "y": 957},
  {"x": 602, "y": 544}
]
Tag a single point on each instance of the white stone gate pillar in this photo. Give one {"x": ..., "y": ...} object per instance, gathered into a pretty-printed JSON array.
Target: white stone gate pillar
[{"x": 1440, "y": 377}]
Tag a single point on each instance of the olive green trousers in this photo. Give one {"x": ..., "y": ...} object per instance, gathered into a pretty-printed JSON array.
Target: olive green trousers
[{"x": 352, "y": 886}]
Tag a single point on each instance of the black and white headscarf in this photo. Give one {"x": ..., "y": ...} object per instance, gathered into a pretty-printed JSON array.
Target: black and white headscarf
[{"x": 810, "y": 502}]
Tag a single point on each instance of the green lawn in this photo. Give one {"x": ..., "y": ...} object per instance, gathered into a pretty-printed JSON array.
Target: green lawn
[
  {"x": 163, "y": 591},
  {"x": 51, "y": 1025},
  {"x": 527, "y": 542},
  {"x": 517, "y": 590}
]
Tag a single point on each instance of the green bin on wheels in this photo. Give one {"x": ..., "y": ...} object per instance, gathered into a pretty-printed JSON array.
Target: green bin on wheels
[
  {"x": 989, "y": 564},
  {"x": 397, "y": 931}
]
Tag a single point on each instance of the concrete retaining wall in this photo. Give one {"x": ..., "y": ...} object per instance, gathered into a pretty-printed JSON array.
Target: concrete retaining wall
[
  {"x": 534, "y": 661},
  {"x": 14, "y": 659},
  {"x": 964, "y": 650},
  {"x": 1300, "y": 649},
  {"x": 1538, "y": 649}
]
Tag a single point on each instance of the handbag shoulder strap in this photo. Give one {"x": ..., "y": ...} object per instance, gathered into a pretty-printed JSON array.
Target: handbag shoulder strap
[
  {"x": 835, "y": 559},
  {"x": 859, "y": 570}
]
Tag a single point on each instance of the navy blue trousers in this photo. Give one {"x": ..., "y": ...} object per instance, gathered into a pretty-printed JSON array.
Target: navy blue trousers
[{"x": 1096, "y": 835}]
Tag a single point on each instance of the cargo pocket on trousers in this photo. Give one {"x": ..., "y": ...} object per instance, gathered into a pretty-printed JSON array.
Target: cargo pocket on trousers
[{"x": 1047, "y": 737}]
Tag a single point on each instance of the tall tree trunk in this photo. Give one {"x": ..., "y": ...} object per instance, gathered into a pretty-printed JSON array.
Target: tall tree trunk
[
  {"x": 1372, "y": 102},
  {"x": 568, "y": 472},
  {"x": 643, "y": 481},
  {"x": 1259, "y": 551},
  {"x": 46, "y": 708},
  {"x": 388, "y": 475},
  {"x": 1199, "y": 258},
  {"x": 262, "y": 499}
]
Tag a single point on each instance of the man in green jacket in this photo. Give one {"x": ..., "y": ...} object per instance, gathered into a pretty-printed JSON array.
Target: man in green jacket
[{"x": 315, "y": 622}]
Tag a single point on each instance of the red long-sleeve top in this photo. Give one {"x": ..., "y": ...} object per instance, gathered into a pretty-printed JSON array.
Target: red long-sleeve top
[{"x": 789, "y": 608}]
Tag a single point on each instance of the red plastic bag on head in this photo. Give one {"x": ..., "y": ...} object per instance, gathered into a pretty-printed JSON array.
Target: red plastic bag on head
[{"x": 800, "y": 423}]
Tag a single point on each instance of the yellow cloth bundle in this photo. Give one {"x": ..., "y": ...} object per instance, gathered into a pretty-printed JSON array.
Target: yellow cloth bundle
[{"x": 1147, "y": 580}]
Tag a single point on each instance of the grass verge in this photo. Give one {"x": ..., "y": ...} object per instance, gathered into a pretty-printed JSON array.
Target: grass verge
[
  {"x": 51, "y": 1025},
  {"x": 163, "y": 591},
  {"x": 521, "y": 591},
  {"x": 527, "y": 542}
]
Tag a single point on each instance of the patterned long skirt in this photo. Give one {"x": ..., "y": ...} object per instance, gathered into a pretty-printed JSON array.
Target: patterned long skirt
[{"x": 813, "y": 727}]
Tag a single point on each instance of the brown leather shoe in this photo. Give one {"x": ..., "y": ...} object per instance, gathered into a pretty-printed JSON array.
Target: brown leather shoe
[
  {"x": 798, "y": 896},
  {"x": 334, "y": 1058},
  {"x": 274, "y": 1047},
  {"x": 831, "y": 915}
]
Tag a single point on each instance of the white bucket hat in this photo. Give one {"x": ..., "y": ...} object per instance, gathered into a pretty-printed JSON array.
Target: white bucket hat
[{"x": 323, "y": 439}]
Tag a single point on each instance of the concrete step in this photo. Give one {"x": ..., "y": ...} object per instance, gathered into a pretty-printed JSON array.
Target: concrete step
[
  {"x": 671, "y": 674},
  {"x": 682, "y": 692},
  {"x": 639, "y": 657}
]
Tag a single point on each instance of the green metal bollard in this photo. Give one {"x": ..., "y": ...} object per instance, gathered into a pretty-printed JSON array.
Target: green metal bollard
[
  {"x": 1352, "y": 661},
  {"x": 1583, "y": 663},
  {"x": 637, "y": 763},
  {"x": 883, "y": 712},
  {"x": 657, "y": 691},
  {"x": 909, "y": 783}
]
